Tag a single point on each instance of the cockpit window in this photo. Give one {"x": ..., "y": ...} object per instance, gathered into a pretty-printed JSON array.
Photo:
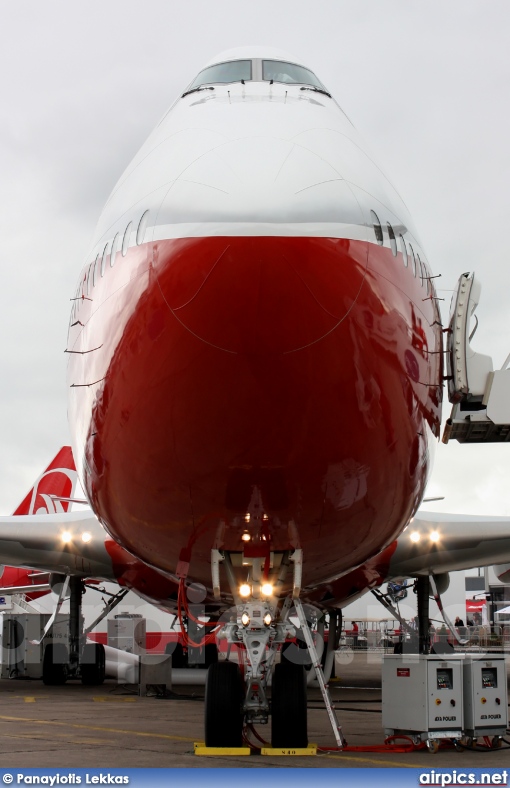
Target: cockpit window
[
  {"x": 234, "y": 71},
  {"x": 289, "y": 73}
]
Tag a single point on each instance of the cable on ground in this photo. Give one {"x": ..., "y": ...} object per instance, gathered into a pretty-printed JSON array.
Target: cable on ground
[{"x": 388, "y": 746}]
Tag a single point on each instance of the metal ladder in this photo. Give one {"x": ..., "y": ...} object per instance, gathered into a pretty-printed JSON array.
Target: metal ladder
[
  {"x": 337, "y": 730},
  {"x": 20, "y": 604}
]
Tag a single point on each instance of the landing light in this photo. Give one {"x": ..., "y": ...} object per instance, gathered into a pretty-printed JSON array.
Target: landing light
[
  {"x": 267, "y": 589},
  {"x": 245, "y": 589},
  {"x": 86, "y": 537},
  {"x": 415, "y": 536},
  {"x": 245, "y": 619},
  {"x": 247, "y": 518},
  {"x": 267, "y": 619},
  {"x": 434, "y": 536},
  {"x": 246, "y": 537},
  {"x": 66, "y": 537}
]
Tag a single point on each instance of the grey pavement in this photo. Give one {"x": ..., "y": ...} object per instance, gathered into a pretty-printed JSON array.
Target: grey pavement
[{"x": 110, "y": 726}]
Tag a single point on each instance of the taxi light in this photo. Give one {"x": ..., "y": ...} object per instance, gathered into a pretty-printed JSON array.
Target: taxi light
[
  {"x": 245, "y": 589},
  {"x": 267, "y": 619},
  {"x": 246, "y": 537},
  {"x": 86, "y": 537},
  {"x": 415, "y": 536},
  {"x": 434, "y": 536},
  {"x": 245, "y": 619},
  {"x": 267, "y": 589},
  {"x": 247, "y": 518},
  {"x": 66, "y": 537}
]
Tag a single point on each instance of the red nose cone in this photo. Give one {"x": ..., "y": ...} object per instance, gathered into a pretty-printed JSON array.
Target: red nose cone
[{"x": 264, "y": 295}]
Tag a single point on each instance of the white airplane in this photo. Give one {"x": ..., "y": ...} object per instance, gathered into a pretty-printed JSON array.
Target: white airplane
[{"x": 255, "y": 382}]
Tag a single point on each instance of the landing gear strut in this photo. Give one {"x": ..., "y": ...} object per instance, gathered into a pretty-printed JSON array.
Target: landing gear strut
[
  {"x": 408, "y": 641},
  {"x": 422, "y": 593},
  {"x": 81, "y": 660},
  {"x": 258, "y": 628},
  {"x": 75, "y": 622}
]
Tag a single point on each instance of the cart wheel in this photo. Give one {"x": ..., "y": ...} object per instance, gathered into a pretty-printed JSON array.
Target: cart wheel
[
  {"x": 416, "y": 740},
  {"x": 432, "y": 746},
  {"x": 459, "y": 747},
  {"x": 497, "y": 742}
]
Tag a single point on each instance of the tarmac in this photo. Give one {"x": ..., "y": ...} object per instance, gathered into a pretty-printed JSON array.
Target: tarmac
[{"x": 110, "y": 726}]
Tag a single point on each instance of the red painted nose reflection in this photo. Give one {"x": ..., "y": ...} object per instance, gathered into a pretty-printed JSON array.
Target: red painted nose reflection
[{"x": 260, "y": 295}]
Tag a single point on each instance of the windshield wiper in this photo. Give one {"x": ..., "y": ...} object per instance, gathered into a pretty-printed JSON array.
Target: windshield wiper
[
  {"x": 194, "y": 90},
  {"x": 317, "y": 90}
]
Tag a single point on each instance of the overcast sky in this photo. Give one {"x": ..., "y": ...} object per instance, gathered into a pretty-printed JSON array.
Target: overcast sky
[{"x": 82, "y": 85}]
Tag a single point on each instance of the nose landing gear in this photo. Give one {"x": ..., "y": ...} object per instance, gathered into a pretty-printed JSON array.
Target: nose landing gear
[{"x": 258, "y": 627}]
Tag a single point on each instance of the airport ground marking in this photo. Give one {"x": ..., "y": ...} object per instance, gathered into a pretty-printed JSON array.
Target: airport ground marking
[
  {"x": 61, "y": 738},
  {"x": 339, "y": 757},
  {"x": 167, "y": 736},
  {"x": 97, "y": 728}
]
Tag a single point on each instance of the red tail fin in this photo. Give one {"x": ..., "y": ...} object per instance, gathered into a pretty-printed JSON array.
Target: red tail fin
[{"x": 57, "y": 480}]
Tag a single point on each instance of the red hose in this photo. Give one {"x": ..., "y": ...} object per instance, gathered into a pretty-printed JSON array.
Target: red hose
[
  {"x": 386, "y": 747},
  {"x": 210, "y": 638}
]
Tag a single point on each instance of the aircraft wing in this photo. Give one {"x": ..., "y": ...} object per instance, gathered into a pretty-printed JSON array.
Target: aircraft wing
[
  {"x": 70, "y": 543},
  {"x": 43, "y": 536},
  {"x": 73, "y": 543},
  {"x": 435, "y": 543}
]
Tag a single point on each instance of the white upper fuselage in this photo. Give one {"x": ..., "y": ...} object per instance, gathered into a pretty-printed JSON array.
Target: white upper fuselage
[{"x": 258, "y": 158}]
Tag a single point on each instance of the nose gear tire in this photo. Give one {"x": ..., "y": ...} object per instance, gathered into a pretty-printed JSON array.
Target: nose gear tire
[
  {"x": 223, "y": 706},
  {"x": 289, "y": 711}
]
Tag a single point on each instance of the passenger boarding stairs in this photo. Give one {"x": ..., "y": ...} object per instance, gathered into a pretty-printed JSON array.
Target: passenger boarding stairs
[
  {"x": 16, "y": 604},
  {"x": 480, "y": 395}
]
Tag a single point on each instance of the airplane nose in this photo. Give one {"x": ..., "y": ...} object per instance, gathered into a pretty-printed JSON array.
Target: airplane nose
[{"x": 260, "y": 295}]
